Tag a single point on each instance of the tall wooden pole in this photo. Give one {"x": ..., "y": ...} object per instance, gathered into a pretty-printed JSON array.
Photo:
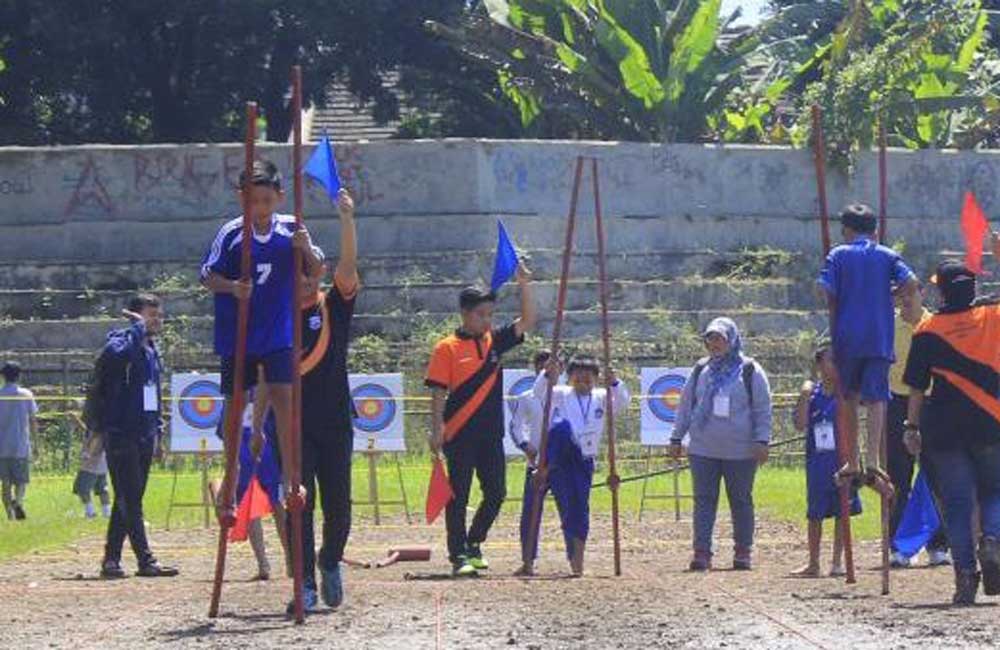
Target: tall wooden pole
[
  {"x": 883, "y": 183},
  {"x": 844, "y": 441},
  {"x": 613, "y": 478},
  {"x": 296, "y": 501},
  {"x": 541, "y": 477},
  {"x": 234, "y": 412}
]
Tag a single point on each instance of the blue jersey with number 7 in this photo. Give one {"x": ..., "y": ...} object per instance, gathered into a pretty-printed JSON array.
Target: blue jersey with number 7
[{"x": 270, "y": 327}]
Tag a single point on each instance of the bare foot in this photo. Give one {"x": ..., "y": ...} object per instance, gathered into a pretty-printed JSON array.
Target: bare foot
[
  {"x": 837, "y": 571},
  {"x": 525, "y": 571},
  {"x": 808, "y": 571}
]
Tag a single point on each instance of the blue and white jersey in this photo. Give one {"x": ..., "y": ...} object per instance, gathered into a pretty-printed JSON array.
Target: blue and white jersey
[{"x": 271, "y": 310}]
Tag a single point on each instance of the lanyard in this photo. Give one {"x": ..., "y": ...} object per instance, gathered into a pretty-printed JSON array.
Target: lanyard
[{"x": 585, "y": 413}]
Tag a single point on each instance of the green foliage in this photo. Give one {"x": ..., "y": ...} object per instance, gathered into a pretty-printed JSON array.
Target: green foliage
[
  {"x": 919, "y": 66},
  {"x": 181, "y": 71},
  {"x": 646, "y": 69}
]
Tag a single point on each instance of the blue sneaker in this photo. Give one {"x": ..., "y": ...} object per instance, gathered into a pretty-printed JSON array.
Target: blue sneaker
[
  {"x": 310, "y": 601},
  {"x": 333, "y": 586}
]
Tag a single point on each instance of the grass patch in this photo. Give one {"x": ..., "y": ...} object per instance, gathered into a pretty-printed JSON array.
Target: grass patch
[{"x": 55, "y": 516}]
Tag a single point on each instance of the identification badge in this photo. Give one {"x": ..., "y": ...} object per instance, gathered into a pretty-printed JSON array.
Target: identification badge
[
  {"x": 825, "y": 439},
  {"x": 720, "y": 406},
  {"x": 150, "y": 401}
]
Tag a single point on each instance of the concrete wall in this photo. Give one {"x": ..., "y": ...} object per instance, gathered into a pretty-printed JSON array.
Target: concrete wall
[{"x": 99, "y": 202}]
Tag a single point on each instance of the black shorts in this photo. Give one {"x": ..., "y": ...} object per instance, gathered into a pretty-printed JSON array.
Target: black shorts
[{"x": 277, "y": 370}]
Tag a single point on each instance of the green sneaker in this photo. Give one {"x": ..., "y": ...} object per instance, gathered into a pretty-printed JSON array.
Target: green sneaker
[
  {"x": 476, "y": 559},
  {"x": 463, "y": 568}
]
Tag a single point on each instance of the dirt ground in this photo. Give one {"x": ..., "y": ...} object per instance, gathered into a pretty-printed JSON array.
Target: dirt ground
[{"x": 55, "y": 599}]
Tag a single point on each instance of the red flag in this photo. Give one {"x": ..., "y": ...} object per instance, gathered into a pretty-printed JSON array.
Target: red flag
[
  {"x": 254, "y": 505},
  {"x": 438, "y": 492},
  {"x": 974, "y": 229}
]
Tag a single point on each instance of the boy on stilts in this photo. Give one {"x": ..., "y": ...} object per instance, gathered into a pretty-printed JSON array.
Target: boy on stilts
[
  {"x": 860, "y": 279},
  {"x": 578, "y": 417}
]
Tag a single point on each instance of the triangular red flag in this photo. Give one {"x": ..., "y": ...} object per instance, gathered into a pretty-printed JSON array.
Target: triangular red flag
[
  {"x": 254, "y": 505},
  {"x": 439, "y": 492},
  {"x": 974, "y": 229}
]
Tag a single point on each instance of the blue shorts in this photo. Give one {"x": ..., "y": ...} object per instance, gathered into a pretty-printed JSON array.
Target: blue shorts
[
  {"x": 867, "y": 377},
  {"x": 822, "y": 494},
  {"x": 277, "y": 370}
]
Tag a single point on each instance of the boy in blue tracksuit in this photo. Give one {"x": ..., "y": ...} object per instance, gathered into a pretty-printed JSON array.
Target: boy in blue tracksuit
[
  {"x": 130, "y": 369},
  {"x": 815, "y": 415},
  {"x": 578, "y": 416}
]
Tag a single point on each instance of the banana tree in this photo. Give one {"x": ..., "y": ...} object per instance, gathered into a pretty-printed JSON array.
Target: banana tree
[{"x": 623, "y": 69}]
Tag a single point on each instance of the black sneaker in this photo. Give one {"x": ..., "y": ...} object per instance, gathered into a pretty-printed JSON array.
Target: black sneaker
[
  {"x": 989, "y": 562},
  {"x": 19, "y": 512},
  {"x": 111, "y": 570},
  {"x": 155, "y": 570}
]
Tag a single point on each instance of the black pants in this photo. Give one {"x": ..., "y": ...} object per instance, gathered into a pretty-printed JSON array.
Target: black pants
[
  {"x": 486, "y": 458},
  {"x": 128, "y": 465},
  {"x": 326, "y": 461},
  {"x": 900, "y": 468}
]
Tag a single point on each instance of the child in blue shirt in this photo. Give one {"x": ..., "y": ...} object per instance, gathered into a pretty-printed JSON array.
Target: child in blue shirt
[
  {"x": 861, "y": 279},
  {"x": 815, "y": 415},
  {"x": 269, "y": 332}
]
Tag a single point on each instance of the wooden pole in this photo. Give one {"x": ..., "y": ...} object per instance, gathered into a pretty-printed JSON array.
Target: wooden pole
[
  {"x": 883, "y": 187},
  {"x": 613, "y": 478},
  {"x": 819, "y": 159},
  {"x": 536, "y": 502},
  {"x": 883, "y": 220},
  {"x": 234, "y": 414},
  {"x": 295, "y": 500},
  {"x": 844, "y": 445}
]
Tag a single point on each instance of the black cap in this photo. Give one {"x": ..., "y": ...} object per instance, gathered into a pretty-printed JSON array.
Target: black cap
[
  {"x": 859, "y": 218},
  {"x": 957, "y": 284},
  {"x": 472, "y": 297}
]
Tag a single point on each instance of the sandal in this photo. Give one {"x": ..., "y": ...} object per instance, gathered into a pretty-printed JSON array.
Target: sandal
[{"x": 847, "y": 477}]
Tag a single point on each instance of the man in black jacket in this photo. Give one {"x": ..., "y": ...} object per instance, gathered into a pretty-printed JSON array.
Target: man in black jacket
[{"x": 129, "y": 372}]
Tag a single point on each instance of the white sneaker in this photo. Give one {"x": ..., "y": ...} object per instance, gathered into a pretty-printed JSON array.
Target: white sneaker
[
  {"x": 938, "y": 558},
  {"x": 88, "y": 511},
  {"x": 106, "y": 510},
  {"x": 899, "y": 561}
]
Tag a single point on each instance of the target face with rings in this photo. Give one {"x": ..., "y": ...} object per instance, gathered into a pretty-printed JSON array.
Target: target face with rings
[
  {"x": 201, "y": 404},
  {"x": 521, "y": 385},
  {"x": 375, "y": 406},
  {"x": 665, "y": 397}
]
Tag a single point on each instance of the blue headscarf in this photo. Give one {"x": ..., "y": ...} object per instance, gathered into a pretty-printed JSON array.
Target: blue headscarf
[{"x": 723, "y": 370}]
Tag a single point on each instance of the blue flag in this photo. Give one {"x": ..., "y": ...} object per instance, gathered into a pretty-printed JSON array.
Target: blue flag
[
  {"x": 920, "y": 519},
  {"x": 322, "y": 167},
  {"x": 506, "y": 260}
]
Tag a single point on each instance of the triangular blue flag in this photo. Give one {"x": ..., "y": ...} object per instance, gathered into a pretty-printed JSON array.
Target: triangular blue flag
[
  {"x": 506, "y": 260},
  {"x": 322, "y": 167},
  {"x": 920, "y": 519}
]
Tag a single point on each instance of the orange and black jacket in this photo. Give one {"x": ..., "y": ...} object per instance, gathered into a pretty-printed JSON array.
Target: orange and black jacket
[
  {"x": 469, "y": 368},
  {"x": 960, "y": 352}
]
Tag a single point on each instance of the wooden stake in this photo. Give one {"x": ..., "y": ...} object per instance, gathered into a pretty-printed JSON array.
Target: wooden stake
[
  {"x": 613, "y": 478},
  {"x": 883, "y": 188},
  {"x": 234, "y": 414},
  {"x": 819, "y": 159}
]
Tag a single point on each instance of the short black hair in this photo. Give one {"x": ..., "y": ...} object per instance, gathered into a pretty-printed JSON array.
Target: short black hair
[
  {"x": 265, "y": 174},
  {"x": 584, "y": 362},
  {"x": 541, "y": 358},
  {"x": 141, "y": 301},
  {"x": 859, "y": 218},
  {"x": 472, "y": 297},
  {"x": 11, "y": 371}
]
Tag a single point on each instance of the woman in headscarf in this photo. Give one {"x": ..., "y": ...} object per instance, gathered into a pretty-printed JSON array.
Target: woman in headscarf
[{"x": 725, "y": 411}]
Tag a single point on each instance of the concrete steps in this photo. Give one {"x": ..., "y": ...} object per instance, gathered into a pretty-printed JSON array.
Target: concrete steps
[{"x": 439, "y": 298}]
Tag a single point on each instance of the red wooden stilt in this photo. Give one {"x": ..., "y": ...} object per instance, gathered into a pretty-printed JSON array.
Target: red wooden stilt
[
  {"x": 536, "y": 502},
  {"x": 845, "y": 441},
  {"x": 234, "y": 414},
  {"x": 613, "y": 478}
]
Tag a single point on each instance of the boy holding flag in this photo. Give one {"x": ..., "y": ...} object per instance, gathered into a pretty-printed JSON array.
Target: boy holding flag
[{"x": 464, "y": 376}]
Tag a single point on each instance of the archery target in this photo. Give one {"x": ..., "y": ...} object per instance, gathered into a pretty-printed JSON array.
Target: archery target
[
  {"x": 378, "y": 412},
  {"x": 195, "y": 412},
  {"x": 661, "y": 397}
]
